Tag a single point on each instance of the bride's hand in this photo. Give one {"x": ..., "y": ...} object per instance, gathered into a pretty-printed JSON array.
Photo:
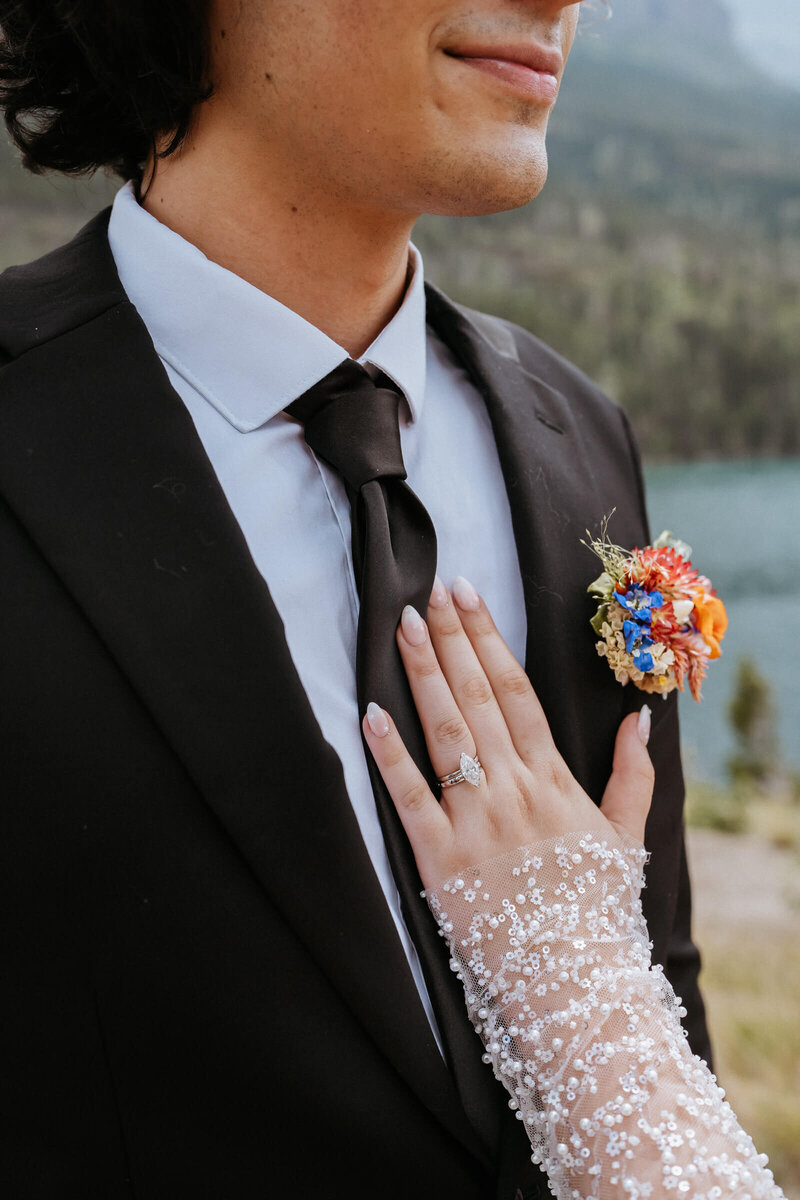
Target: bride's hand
[{"x": 473, "y": 697}]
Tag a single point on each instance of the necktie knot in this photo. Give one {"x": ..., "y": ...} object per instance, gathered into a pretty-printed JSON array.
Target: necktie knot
[{"x": 353, "y": 424}]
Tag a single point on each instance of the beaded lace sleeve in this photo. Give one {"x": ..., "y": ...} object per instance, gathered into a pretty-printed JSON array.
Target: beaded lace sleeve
[{"x": 585, "y": 1034}]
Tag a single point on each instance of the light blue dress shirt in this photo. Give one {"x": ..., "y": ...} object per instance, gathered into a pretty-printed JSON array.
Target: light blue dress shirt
[{"x": 237, "y": 357}]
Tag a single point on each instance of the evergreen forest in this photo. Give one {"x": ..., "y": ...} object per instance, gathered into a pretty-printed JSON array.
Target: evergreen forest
[{"x": 663, "y": 256}]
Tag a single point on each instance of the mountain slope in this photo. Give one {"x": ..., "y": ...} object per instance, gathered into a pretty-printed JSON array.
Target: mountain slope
[
  {"x": 694, "y": 127},
  {"x": 664, "y": 253}
]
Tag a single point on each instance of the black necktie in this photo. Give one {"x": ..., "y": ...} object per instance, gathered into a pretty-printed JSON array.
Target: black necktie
[{"x": 353, "y": 424}]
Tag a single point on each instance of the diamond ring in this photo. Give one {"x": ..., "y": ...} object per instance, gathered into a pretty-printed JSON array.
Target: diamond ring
[{"x": 469, "y": 771}]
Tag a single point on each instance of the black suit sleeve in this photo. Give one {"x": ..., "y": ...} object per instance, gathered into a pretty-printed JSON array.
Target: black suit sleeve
[{"x": 667, "y": 899}]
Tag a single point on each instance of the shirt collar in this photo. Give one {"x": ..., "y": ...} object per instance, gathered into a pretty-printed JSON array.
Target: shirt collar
[{"x": 246, "y": 353}]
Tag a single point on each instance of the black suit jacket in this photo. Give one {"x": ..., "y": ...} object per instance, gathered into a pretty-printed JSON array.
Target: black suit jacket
[{"x": 203, "y": 994}]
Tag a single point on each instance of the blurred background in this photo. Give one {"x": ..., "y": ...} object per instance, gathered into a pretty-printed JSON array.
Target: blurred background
[{"x": 664, "y": 259}]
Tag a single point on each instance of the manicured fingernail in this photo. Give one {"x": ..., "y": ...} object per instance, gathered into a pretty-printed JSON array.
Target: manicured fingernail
[
  {"x": 439, "y": 595},
  {"x": 465, "y": 595},
  {"x": 376, "y": 719},
  {"x": 413, "y": 626},
  {"x": 644, "y": 724}
]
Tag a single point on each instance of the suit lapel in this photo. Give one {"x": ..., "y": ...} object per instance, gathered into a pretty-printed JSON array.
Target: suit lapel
[
  {"x": 560, "y": 481},
  {"x": 102, "y": 464}
]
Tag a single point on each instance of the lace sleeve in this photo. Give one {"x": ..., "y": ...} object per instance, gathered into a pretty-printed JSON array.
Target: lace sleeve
[{"x": 552, "y": 948}]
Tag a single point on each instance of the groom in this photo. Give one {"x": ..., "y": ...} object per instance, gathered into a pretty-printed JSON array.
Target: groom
[{"x": 214, "y": 982}]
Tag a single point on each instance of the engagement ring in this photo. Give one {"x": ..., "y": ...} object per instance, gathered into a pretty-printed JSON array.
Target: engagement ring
[{"x": 469, "y": 771}]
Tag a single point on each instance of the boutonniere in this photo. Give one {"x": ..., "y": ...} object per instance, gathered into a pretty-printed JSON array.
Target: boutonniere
[{"x": 659, "y": 622}]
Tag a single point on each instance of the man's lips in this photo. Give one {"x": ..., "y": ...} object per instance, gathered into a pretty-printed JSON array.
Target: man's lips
[{"x": 531, "y": 70}]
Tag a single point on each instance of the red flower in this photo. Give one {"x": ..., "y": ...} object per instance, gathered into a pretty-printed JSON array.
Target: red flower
[
  {"x": 691, "y": 661},
  {"x": 662, "y": 569}
]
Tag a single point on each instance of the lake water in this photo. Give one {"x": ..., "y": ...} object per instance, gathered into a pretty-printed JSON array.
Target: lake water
[{"x": 742, "y": 521}]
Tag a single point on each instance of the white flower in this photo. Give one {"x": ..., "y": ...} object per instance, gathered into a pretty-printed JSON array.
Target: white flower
[{"x": 682, "y": 610}]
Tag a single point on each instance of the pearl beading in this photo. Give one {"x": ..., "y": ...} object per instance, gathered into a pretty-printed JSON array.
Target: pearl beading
[{"x": 551, "y": 946}]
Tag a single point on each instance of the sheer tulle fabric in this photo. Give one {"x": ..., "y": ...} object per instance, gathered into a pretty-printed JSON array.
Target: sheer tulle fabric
[{"x": 584, "y": 1032}]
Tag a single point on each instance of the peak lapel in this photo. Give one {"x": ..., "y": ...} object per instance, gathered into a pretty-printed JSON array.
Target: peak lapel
[
  {"x": 562, "y": 477},
  {"x": 101, "y": 463}
]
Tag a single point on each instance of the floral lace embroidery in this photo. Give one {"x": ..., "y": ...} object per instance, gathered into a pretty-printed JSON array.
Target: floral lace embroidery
[{"x": 585, "y": 1034}]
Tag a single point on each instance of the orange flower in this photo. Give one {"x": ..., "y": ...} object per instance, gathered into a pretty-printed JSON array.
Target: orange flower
[{"x": 711, "y": 620}]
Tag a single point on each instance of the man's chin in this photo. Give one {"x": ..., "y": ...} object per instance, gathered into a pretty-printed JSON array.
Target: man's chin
[{"x": 481, "y": 195}]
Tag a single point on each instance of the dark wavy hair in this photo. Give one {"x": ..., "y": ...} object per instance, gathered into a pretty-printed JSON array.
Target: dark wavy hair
[{"x": 86, "y": 84}]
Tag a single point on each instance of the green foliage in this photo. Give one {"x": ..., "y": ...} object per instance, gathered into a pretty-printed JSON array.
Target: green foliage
[
  {"x": 721, "y": 809},
  {"x": 744, "y": 809},
  {"x": 663, "y": 256},
  {"x": 752, "y": 717},
  {"x": 750, "y": 710},
  {"x": 699, "y": 346}
]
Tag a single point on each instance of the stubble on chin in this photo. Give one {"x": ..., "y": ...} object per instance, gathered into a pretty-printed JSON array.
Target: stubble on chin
[{"x": 480, "y": 188}]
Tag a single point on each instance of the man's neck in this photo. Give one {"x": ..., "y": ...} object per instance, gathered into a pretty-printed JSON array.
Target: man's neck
[{"x": 341, "y": 267}]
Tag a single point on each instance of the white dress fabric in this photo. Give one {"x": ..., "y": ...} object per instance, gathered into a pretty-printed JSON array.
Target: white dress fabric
[{"x": 585, "y": 1034}]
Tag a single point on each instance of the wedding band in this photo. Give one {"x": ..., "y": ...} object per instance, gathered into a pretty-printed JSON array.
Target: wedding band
[{"x": 469, "y": 771}]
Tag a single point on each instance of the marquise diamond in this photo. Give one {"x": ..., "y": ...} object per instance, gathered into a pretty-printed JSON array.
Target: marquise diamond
[{"x": 470, "y": 769}]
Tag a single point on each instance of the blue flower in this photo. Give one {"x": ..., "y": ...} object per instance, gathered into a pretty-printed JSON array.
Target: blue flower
[
  {"x": 643, "y": 661},
  {"x": 635, "y": 634},
  {"x": 638, "y": 643},
  {"x": 639, "y": 602}
]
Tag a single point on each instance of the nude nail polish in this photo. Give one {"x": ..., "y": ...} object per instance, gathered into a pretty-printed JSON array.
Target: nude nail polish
[
  {"x": 413, "y": 626},
  {"x": 643, "y": 726},
  {"x": 465, "y": 595},
  {"x": 439, "y": 595},
  {"x": 376, "y": 719}
]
